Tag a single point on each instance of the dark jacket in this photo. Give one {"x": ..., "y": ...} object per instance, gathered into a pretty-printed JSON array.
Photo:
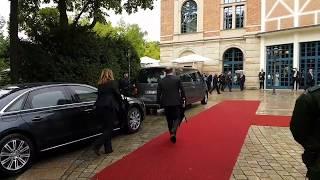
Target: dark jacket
[
  {"x": 109, "y": 96},
  {"x": 229, "y": 78},
  {"x": 305, "y": 121},
  {"x": 170, "y": 91},
  {"x": 310, "y": 79},
  {"x": 262, "y": 76}
]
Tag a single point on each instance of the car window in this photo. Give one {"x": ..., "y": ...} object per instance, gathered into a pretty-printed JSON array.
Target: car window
[
  {"x": 46, "y": 97},
  {"x": 84, "y": 94},
  {"x": 151, "y": 75},
  {"x": 186, "y": 78},
  {"x": 17, "y": 105}
]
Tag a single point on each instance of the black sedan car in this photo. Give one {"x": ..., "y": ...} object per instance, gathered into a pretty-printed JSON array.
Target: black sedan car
[{"x": 40, "y": 117}]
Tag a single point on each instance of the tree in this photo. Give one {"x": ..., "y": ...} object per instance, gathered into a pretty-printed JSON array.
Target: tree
[
  {"x": 95, "y": 10},
  {"x": 152, "y": 49},
  {"x": 14, "y": 40}
]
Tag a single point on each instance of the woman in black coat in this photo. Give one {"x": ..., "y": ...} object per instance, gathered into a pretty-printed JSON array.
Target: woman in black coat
[{"x": 107, "y": 106}]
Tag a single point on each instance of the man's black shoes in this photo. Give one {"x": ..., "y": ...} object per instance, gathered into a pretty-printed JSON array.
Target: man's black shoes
[{"x": 173, "y": 138}]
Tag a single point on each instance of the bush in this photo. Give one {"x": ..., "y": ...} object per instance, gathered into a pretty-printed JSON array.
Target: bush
[{"x": 75, "y": 56}]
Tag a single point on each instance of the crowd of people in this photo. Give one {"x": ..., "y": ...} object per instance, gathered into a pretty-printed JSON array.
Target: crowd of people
[
  {"x": 296, "y": 79},
  {"x": 224, "y": 80}
]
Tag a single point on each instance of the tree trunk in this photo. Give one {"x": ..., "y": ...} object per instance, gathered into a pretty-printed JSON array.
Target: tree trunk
[
  {"x": 14, "y": 41},
  {"x": 62, "y": 7}
]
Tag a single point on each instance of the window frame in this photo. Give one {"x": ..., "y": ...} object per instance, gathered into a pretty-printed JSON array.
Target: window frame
[
  {"x": 183, "y": 26},
  {"x": 76, "y": 99},
  {"x": 227, "y": 19},
  {"x": 25, "y": 99},
  {"x": 28, "y": 106},
  {"x": 233, "y": 4},
  {"x": 239, "y": 23}
]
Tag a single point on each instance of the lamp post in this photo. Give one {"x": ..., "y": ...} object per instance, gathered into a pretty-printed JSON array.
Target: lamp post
[
  {"x": 275, "y": 54},
  {"x": 129, "y": 65}
]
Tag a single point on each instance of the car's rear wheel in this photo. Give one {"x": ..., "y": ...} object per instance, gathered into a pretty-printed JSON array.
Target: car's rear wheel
[
  {"x": 205, "y": 98},
  {"x": 16, "y": 153},
  {"x": 134, "y": 119}
]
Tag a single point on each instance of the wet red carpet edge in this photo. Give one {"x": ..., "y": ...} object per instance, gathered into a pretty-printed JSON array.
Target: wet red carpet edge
[{"x": 207, "y": 147}]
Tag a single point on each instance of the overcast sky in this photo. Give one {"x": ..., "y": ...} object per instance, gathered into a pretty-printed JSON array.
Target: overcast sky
[{"x": 147, "y": 20}]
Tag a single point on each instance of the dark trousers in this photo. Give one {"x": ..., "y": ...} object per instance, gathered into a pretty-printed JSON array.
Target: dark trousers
[
  {"x": 107, "y": 115},
  {"x": 222, "y": 86},
  {"x": 295, "y": 83},
  {"x": 261, "y": 84},
  {"x": 173, "y": 117},
  {"x": 215, "y": 86},
  {"x": 241, "y": 86},
  {"x": 229, "y": 85}
]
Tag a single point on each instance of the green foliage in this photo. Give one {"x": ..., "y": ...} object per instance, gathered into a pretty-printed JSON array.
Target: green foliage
[
  {"x": 76, "y": 56},
  {"x": 4, "y": 56},
  {"x": 152, "y": 49},
  {"x": 90, "y": 9},
  {"x": 76, "y": 50}
]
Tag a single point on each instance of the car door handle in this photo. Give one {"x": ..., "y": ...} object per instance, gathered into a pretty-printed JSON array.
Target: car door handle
[{"x": 37, "y": 118}]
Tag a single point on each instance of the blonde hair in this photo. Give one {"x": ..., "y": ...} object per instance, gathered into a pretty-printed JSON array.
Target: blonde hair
[{"x": 106, "y": 76}]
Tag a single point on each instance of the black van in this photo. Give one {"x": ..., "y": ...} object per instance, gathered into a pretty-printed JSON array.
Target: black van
[{"x": 192, "y": 81}]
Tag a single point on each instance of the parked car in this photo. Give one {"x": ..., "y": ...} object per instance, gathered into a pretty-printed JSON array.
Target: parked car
[
  {"x": 192, "y": 81},
  {"x": 40, "y": 117}
]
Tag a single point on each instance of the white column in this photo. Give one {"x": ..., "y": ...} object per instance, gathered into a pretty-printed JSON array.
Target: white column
[
  {"x": 296, "y": 50},
  {"x": 296, "y": 13}
]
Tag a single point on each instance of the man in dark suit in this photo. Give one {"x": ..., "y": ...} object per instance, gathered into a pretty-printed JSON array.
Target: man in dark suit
[
  {"x": 170, "y": 95},
  {"x": 295, "y": 78},
  {"x": 229, "y": 80},
  {"x": 262, "y": 75},
  {"x": 209, "y": 82},
  {"x": 310, "y": 79},
  {"x": 242, "y": 80}
]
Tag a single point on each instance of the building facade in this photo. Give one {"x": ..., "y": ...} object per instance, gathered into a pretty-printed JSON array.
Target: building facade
[{"x": 249, "y": 35}]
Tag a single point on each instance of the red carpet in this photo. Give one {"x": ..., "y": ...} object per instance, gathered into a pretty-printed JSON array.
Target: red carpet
[
  {"x": 267, "y": 120},
  {"x": 207, "y": 148}
]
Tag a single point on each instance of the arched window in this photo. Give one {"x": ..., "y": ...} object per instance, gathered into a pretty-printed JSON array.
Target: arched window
[
  {"x": 233, "y": 62},
  {"x": 189, "y": 17}
]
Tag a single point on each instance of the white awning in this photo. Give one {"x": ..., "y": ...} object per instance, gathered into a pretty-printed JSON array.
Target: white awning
[
  {"x": 148, "y": 60},
  {"x": 190, "y": 59}
]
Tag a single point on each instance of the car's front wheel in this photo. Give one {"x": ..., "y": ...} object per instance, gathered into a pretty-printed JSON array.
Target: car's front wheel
[
  {"x": 16, "y": 153},
  {"x": 134, "y": 119}
]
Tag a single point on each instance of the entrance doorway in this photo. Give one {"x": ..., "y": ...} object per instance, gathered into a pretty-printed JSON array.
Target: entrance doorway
[
  {"x": 233, "y": 61},
  {"x": 279, "y": 66},
  {"x": 309, "y": 59}
]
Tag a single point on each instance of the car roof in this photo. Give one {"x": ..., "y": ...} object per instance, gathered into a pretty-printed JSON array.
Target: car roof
[{"x": 25, "y": 86}]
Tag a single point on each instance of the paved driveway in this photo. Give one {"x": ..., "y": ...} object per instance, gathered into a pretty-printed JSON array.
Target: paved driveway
[{"x": 79, "y": 162}]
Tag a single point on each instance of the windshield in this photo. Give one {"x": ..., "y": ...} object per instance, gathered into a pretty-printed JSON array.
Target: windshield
[{"x": 151, "y": 75}]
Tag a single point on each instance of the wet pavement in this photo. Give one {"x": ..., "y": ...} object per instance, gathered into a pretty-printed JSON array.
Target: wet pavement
[{"x": 268, "y": 152}]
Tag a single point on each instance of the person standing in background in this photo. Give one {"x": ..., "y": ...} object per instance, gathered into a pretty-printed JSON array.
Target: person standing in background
[
  {"x": 310, "y": 79},
  {"x": 124, "y": 85},
  {"x": 295, "y": 78},
  {"x": 229, "y": 80},
  {"x": 107, "y": 105},
  {"x": 242, "y": 80},
  {"x": 261, "y": 76},
  {"x": 222, "y": 81}
]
